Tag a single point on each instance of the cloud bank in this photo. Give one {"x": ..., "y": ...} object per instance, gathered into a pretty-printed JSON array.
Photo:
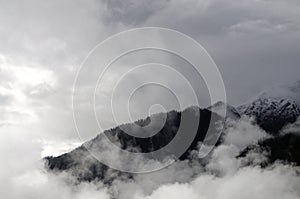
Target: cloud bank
[{"x": 224, "y": 176}]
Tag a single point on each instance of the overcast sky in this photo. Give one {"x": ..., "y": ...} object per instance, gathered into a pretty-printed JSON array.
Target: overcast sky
[{"x": 255, "y": 44}]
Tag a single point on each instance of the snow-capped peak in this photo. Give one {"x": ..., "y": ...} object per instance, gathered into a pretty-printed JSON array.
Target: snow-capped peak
[
  {"x": 275, "y": 107},
  {"x": 284, "y": 92}
]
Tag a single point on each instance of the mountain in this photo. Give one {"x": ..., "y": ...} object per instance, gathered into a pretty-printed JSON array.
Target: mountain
[
  {"x": 274, "y": 108},
  {"x": 284, "y": 148},
  {"x": 219, "y": 107},
  {"x": 80, "y": 157},
  {"x": 291, "y": 92}
]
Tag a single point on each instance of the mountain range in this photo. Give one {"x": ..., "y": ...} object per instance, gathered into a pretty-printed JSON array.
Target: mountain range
[{"x": 271, "y": 111}]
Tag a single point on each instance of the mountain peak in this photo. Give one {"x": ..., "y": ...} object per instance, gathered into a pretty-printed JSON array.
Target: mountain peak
[
  {"x": 219, "y": 108},
  {"x": 271, "y": 113}
]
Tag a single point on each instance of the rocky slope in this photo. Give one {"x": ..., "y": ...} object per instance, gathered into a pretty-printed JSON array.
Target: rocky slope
[
  {"x": 271, "y": 114},
  {"x": 275, "y": 107}
]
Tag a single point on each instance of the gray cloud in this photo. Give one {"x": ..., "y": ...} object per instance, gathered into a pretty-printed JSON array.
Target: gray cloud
[
  {"x": 5, "y": 99},
  {"x": 254, "y": 43}
]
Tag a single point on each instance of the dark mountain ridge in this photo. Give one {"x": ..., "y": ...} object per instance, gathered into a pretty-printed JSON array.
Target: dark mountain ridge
[
  {"x": 80, "y": 157},
  {"x": 270, "y": 113}
]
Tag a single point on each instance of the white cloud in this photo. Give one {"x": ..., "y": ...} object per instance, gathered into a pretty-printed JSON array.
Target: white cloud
[
  {"x": 292, "y": 128},
  {"x": 243, "y": 132},
  {"x": 280, "y": 182},
  {"x": 43, "y": 43},
  {"x": 22, "y": 175}
]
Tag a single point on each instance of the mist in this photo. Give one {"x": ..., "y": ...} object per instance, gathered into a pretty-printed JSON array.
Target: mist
[{"x": 224, "y": 176}]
